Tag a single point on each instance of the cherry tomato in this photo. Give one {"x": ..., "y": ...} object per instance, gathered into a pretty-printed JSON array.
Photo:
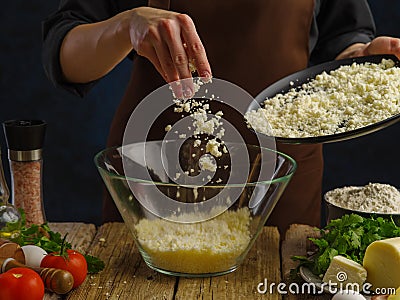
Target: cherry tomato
[
  {"x": 21, "y": 284},
  {"x": 74, "y": 262}
]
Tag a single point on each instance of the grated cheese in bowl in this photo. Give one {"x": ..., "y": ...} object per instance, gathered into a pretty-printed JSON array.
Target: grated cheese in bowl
[
  {"x": 347, "y": 98},
  {"x": 196, "y": 248}
]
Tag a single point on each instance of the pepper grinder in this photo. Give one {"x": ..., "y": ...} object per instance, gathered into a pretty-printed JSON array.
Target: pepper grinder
[{"x": 25, "y": 139}]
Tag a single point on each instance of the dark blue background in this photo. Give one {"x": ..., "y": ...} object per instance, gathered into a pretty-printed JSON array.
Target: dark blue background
[{"x": 77, "y": 128}]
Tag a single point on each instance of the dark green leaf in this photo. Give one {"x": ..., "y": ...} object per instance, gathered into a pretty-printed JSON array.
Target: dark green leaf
[{"x": 95, "y": 265}]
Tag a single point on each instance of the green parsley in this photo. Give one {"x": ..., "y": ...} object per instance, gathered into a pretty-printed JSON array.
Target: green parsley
[
  {"x": 95, "y": 265},
  {"x": 42, "y": 236},
  {"x": 50, "y": 241},
  {"x": 348, "y": 236}
]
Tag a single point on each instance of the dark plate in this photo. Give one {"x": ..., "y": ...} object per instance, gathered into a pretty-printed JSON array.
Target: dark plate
[
  {"x": 304, "y": 76},
  {"x": 313, "y": 279}
]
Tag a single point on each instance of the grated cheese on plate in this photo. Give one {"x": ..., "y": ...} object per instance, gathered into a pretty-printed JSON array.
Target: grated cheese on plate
[{"x": 348, "y": 98}]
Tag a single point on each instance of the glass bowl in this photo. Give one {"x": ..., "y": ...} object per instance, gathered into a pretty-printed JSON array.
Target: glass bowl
[{"x": 192, "y": 221}]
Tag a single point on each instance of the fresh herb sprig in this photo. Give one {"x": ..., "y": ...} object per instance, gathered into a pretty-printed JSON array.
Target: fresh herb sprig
[
  {"x": 50, "y": 241},
  {"x": 42, "y": 236},
  {"x": 348, "y": 236},
  {"x": 95, "y": 265}
]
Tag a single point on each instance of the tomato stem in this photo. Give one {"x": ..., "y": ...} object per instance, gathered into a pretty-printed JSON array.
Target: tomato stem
[{"x": 63, "y": 252}]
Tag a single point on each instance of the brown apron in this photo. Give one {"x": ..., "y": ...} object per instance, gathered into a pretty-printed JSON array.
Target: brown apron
[{"x": 250, "y": 43}]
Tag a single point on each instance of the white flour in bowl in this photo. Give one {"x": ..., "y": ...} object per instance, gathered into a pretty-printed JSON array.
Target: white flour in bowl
[{"x": 372, "y": 198}]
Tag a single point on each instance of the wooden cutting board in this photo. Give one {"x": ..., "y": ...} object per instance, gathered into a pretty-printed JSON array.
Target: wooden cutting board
[{"x": 126, "y": 276}]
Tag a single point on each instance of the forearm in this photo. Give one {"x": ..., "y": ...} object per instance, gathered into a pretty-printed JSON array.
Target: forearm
[
  {"x": 90, "y": 51},
  {"x": 379, "y": 45},
  {"x": 352, "y": 51}
]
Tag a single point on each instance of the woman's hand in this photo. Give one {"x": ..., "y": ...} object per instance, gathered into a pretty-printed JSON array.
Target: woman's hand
[
  {"x": 170, "y": 41},
  {"x": 379, "y": 45}
]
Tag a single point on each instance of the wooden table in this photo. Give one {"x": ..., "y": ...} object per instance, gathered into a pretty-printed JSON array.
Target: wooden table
[{"x": 126, "y": 276}]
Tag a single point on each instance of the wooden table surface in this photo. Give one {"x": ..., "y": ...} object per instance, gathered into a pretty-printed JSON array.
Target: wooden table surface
[{"x": 126, "y": 276}]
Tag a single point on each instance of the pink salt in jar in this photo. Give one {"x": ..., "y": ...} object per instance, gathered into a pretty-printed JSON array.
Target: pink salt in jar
[{"x": 25, "y": 142}]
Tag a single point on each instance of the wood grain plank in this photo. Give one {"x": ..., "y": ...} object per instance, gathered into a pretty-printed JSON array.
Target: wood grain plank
[
  {"x": 80, "y": 235},
  {"x": 295, "y": 243},
  {"x": 125, "y": 276},
  {"x": 263, "y": 261}
]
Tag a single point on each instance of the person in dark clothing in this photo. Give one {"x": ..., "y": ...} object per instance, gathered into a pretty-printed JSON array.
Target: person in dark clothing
[{"x": 251, "y": 44}]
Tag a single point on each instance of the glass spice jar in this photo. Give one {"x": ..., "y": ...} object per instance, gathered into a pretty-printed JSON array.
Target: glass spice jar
[
  {"x": 25, "y": 142},
  {"x": 10, "y": 218}
]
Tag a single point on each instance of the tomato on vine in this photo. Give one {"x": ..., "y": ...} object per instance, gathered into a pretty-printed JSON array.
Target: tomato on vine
[{"x": 69, "y": 260}]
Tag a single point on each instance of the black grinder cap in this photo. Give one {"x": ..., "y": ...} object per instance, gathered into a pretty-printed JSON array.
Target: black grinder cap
[{"x": 24, "y": 135}]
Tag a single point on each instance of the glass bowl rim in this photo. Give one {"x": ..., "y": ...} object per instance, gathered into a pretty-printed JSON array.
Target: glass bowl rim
[{"x": 233, "y": 185}]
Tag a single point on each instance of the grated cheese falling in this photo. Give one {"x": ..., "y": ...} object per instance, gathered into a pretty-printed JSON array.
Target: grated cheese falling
[
  {"x": 207, "y": 163},
  {"x": 203, "y": 123}
]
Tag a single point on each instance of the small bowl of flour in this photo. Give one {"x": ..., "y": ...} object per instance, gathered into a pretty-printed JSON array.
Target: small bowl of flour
[{"x": 376, "y": 199}]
